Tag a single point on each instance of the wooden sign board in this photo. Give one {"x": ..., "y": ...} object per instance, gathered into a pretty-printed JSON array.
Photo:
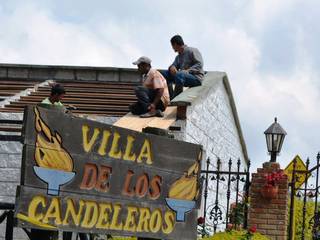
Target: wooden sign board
[{"x": 84, "y": 176}]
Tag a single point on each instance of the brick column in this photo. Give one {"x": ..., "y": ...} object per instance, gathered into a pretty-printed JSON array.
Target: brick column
[{"x": 269, "y": 215}]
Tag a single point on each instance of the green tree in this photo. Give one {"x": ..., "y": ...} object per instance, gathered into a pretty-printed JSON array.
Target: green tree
[{"x": 298, "y": 218}]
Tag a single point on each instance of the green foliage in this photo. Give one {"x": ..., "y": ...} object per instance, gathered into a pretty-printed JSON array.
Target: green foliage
[
  {"x": 236, "y": 214},
  {"x": 235, "y": 235},
  {"x": 298, "y": 212}
]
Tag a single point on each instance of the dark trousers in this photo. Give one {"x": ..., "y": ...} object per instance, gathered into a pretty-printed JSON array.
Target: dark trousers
[
  {"x": 145, "y": 98},
  {"x": 180, "y": 79}
]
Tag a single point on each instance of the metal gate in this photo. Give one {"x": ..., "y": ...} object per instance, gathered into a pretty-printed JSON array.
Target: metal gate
[
  {"x": 304, "y": 211},
  {"x": 225, "y": 194}
]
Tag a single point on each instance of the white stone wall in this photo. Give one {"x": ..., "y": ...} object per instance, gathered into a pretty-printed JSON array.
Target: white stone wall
[{"x": 210, "y": 122}]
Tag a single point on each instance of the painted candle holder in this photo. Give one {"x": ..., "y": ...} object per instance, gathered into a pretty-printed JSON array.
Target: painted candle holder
[
  {"x": 181, "y": 207},
  {"x": 54, "y": 178}
]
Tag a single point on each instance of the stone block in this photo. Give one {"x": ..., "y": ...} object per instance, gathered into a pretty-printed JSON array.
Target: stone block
[
  {"x": 4, "y": 160},
  {"x": 14, "y": 160},
  {"x": 126, "y": 76},
  {"x": 7, "y": 199},
  {"x": 67, "y": 74},
  {"x": 87, "y": 75},
  {"x": 8, "y": 189},
  {"x": 110, "y": 76},
  {"x": 18, "y": 72},
  {"x": 9, "y": 175},
  {"x": 10, "y": 147},
  {"x": 42, "y": 73},
  {"x": 3, "y": 72},
  {"x": 12, "y": 116}
]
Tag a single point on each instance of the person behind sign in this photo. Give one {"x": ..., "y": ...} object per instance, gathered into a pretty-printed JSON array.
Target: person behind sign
[
  {"x": 153, "y": 96},
  {"x": 56, "y": 95},
  {"x": 187, "y": 68}
]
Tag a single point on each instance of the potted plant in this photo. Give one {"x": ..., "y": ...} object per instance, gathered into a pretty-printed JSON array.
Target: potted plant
[{"x": 270, "y": 188}]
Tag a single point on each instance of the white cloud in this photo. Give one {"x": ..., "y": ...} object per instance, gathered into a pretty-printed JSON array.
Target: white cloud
[
  {"x": 263, "y": 12},
  {"x": 229, "y": 36},
  {"x": 32, "y": 35}
]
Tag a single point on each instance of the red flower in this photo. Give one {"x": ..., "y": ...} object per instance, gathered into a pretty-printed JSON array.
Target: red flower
[
  {"x": 233, "y": 205},
  {"x": 229, "y": 226},
  {"x": 201, "y": 220},
  {"x": 273, "y": 178},
  {"x": 253, "y": 229}
]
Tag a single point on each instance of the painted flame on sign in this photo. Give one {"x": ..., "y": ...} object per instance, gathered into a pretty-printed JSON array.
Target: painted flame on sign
[
  {"x": 186, "y": 187},
  {"x": 49, "y": 151}
]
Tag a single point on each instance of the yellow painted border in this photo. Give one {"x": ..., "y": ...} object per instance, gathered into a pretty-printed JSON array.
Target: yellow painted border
[{"x": 34, "y": 222}]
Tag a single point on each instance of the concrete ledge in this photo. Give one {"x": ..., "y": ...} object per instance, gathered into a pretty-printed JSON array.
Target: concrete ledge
[
  {"x": 191, "y": 94},
  {"x": 61, "y": 72}
]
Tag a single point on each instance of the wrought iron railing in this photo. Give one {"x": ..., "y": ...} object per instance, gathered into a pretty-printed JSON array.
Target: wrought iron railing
[
  {"x": 231, "y": 183},
  {"x": 308, "y": 193}
]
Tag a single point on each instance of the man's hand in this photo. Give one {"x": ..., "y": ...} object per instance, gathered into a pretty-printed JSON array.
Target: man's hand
[
  {"x": 173, "y": 70},
  {"x": 152, "y": 107}
]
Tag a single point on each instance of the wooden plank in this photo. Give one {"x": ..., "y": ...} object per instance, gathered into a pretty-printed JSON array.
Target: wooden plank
[
  {"x": 76, "y": 112},
  {"x": 77, "y": 100},
  {"x": 122, "y": 107},
  {"x": 94, "y": 83},
  {"x": 93, "y": 90},
  {"x": 81, "y": 86},
  {"x": 10, "y": 129},
  {"x": 7, "y": 109},
  {"x": 90, "y": 95},
  {"x": 27, "y": 82},
  {"x": 136, "y": 123}
]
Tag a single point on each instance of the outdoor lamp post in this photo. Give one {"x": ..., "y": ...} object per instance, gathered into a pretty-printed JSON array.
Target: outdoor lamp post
[{"x": 274, "y": 136}]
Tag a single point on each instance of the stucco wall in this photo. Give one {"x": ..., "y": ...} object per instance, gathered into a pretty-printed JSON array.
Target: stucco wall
[{"x": 210, "y": 122}]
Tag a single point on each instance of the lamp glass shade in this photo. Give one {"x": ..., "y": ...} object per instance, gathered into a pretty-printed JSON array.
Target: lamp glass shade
[
  {"x": 275, "y": 135},
  {"x": 274, "y": 142}
]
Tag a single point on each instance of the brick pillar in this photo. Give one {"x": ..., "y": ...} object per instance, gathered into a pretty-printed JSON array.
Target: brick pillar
[{"x": 269, "y": 215}]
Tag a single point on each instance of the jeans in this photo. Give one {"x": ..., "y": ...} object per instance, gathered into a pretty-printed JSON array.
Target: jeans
[
  {"x": 180, "y": 78},
  {"x": 145, "y": 98}
]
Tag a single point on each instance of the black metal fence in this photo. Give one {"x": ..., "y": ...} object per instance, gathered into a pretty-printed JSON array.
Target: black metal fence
[
  {"x": 225, "y": 194},
  {"x": 304, "y": 214}
]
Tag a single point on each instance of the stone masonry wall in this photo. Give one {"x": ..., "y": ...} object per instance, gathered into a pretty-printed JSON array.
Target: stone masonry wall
[
  {"x": 270, "y": 216},
  {"x": 210, "y": 122}
]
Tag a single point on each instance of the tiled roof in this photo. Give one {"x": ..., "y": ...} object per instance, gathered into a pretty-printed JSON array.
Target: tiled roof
[
  {"x": 89, "y": 97},
  {"x": 11, "y": 87}
]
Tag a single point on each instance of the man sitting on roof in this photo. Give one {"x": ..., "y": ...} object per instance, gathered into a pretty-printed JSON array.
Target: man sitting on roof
[
  {"x": 153, "y": 96},
  {"x": 57, "y": 93},
  {"x": 187, "y": 68}
]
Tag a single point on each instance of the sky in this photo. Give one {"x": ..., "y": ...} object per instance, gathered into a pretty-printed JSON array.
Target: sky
[{"x": 268, "y": 48}]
